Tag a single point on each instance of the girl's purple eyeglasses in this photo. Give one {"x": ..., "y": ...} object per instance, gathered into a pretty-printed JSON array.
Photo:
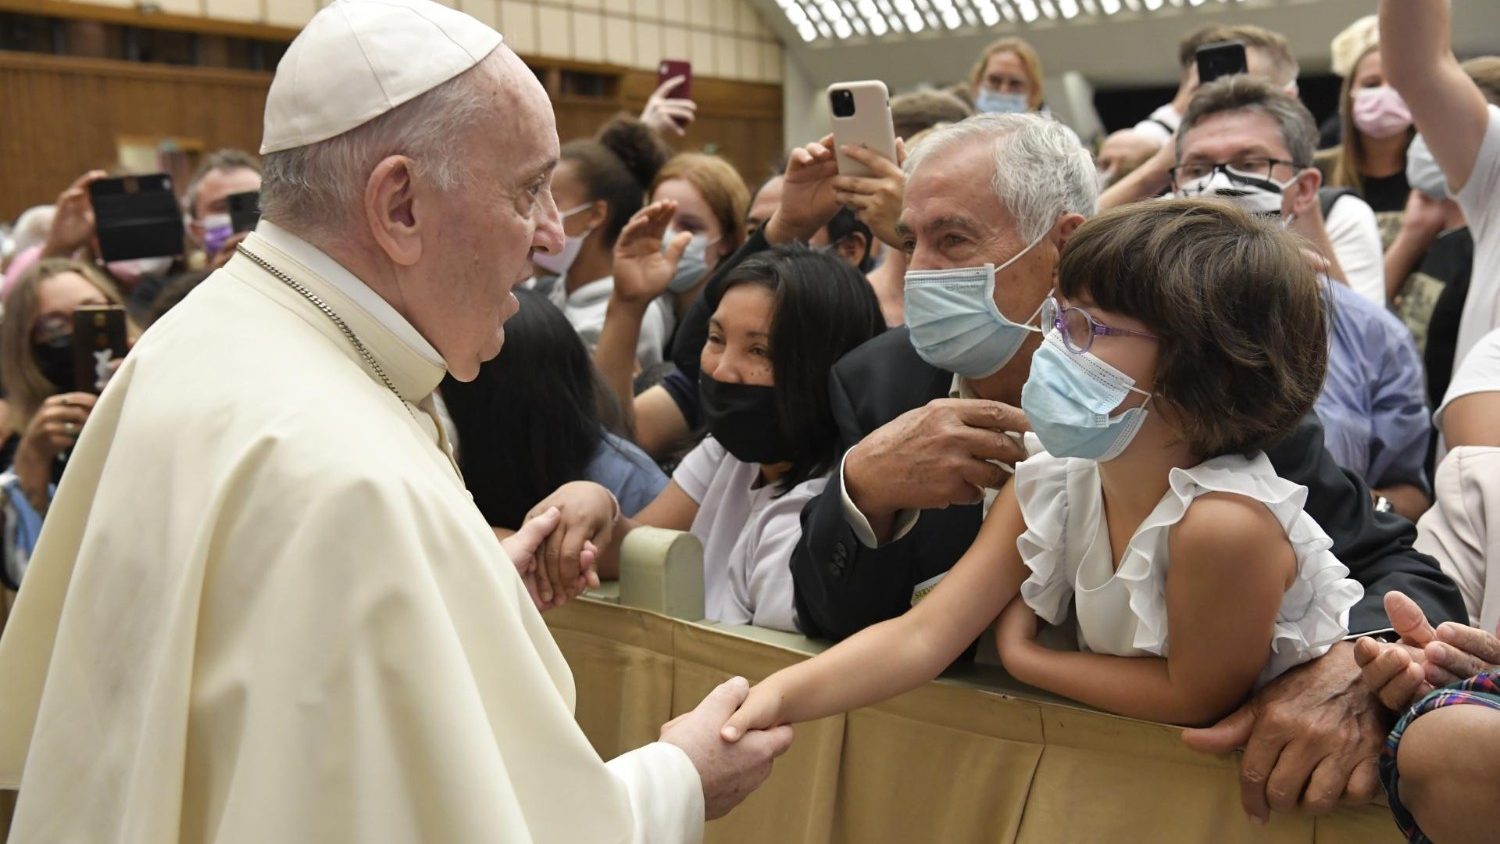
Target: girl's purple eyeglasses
[{"x": 1079, "y": 328}]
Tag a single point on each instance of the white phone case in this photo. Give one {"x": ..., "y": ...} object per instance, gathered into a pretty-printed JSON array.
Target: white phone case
[{"x": 870, "y": 125}]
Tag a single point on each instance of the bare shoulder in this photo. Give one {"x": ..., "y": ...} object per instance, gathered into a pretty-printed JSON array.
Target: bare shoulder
[{"x": 1223, "y": 533}]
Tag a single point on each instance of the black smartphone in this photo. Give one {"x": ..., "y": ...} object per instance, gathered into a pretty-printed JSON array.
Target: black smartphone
[
  {"x": 1223, "y": 58},
  {"x": 244, "y": 210},
  {"x": 98, "y": 341},
  {"x": 136, "y": 217}
]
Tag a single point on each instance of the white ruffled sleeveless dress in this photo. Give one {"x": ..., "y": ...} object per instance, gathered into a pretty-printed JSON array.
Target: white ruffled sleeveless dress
[{"x": 1122, "y": 610}]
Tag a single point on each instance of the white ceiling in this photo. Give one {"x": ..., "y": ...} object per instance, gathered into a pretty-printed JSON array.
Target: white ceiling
[{"x": 1129, "y": 47}]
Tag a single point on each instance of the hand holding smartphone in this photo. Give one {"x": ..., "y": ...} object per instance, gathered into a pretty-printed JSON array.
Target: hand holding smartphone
[
  {"x": 861, "y": 117},
  {"x": 98, "y": 345}
]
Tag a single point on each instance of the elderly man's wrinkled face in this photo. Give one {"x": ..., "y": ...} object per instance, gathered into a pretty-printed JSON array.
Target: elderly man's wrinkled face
[
  {"x": 485, "y": 231},
  {"x": 952, "y": 218}
]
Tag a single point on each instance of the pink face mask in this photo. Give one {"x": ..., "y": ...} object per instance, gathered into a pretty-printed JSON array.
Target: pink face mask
[{"x": 1380, "y": 112}]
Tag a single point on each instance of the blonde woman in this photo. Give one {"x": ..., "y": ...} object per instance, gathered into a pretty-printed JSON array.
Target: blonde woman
[{"x": 36, "y": 357}]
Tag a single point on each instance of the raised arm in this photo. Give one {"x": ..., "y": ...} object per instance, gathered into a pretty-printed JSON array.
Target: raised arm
[
  {"x": 1417, "y": 57},
  {"x": 900, "y": 654}
]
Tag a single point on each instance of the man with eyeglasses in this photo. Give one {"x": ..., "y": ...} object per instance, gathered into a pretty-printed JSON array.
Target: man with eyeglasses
[
  {"x": 1246, "y": 141},
  {"x": 1339, "y": 225},
  {"x": 923, "y": 415}
]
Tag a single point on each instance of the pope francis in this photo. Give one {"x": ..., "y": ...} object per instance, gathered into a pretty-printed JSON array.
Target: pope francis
[{"x": 264, "y": 607}]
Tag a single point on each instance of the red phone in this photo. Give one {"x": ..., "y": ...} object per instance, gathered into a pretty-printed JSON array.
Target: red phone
[{"x": 670, "y": 68}]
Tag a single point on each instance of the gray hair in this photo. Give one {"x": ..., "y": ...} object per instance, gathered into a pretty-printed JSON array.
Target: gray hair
[
  {"x": 1042, "y": 170},
  {"x": 316, "y": 188},
  {"x": 222, "y": 161},
  {"x": 1246, "y": 93}
]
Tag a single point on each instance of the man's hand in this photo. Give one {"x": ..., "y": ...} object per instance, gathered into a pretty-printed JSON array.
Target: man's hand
[
  {"x": 875, "y": 200},
  {"x": 933, "y": 457},
  {"x": 587, "y": 514},
  {"x": 73, "y": 222},
  {"x": 1461, "y": 652},
  {"x": 669, "y": 115},
  {"x": 730, "y": 772},
  {"x": 808, "y": 200},
  {"x": 521, "y": 548},
  {"x": 642, "y": 270},
  {"x": 1311, "y": 739}
]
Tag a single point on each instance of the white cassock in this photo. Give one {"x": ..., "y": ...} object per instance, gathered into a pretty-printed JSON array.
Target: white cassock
[{"x": 264, "y": 607}]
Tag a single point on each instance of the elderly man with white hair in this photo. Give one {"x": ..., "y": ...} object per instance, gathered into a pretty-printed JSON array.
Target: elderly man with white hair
[{"x": 264, "y": 607}]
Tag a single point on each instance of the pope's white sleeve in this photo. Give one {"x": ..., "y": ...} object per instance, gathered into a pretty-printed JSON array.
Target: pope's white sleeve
[{"x": 666, "y": 793}]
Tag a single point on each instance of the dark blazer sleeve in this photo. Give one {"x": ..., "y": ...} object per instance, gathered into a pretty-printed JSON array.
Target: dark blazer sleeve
[
  {"x": 1375, "y": 546},
  {"x": 840, "y": 586}
]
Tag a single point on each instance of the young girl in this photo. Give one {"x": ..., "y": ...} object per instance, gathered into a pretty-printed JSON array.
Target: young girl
[
  {"x": 1185, "y": 337},
  {"x": 781, "y": 319}
]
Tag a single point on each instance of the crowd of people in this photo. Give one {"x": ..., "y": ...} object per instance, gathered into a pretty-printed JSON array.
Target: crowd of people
[{"x": 1202, "y": 420}]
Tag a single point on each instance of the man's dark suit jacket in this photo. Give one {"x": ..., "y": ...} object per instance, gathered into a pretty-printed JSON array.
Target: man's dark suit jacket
[{"x": 843, "y": 587}]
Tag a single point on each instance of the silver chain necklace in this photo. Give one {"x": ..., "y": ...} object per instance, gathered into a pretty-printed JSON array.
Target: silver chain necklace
[{"x": 328, "y": 312}]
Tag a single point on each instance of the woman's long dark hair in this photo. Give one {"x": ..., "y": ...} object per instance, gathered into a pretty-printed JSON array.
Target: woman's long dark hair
[
  {"x": 824, "y": 309},
  {"x": 533, "y": 418}
]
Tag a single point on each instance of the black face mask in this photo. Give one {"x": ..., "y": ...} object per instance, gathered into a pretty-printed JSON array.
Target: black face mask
[
  {"x": 742, "y": 417},
  {"x": 55, "y": 360}
]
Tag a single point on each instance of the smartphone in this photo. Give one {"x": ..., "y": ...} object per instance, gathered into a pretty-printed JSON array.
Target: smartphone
[
  {"x": 136, "y": 217},
  {"x": 1223, "y": 58},
  {"x": 683, "y": 90},
  {"x": 244, "y": 210},
  {"x": 98, "y": 341},
  {"x": 670, "y": 68},
  {"x": 861, "y": 117}
]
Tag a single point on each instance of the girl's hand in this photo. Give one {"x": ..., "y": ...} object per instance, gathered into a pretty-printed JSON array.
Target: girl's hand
[
  {"x": 760, "y": 711},
  {"x": 55, "y": 427},
  {"x": 642, "y": 270},
  {"x": 1015, "y": 636}
]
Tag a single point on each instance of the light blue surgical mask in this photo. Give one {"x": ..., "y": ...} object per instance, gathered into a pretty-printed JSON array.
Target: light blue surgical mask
[
  {"x": 1423, "y": 172},
  {"x": 954, "y": 323},
  {"x": 693, "y": 265},
  {"x": 1068, "y": 398},
  {"x": 994, "y": 102}
]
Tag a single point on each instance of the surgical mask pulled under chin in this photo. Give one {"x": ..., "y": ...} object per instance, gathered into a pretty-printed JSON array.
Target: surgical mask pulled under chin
[
  {"x": 693, "y": 265},
  {"x": 994, "y": 102},
  {"x": 955, "y": 324},
  {"x": 1256, "y": 196},
  {"x": 1068, "y": 398},
  {"x": 1423, "y": 172},
  {"x": 558, "y": 264}
]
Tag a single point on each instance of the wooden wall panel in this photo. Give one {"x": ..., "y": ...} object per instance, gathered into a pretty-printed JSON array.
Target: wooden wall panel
[{"x": 63, "y": 116}]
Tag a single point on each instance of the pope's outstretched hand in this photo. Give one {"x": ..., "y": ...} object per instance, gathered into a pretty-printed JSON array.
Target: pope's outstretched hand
[{"x": 522, "y": 547}]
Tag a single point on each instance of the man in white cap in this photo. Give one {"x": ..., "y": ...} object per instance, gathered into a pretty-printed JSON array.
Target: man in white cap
[{"x": 264, "y": 607}]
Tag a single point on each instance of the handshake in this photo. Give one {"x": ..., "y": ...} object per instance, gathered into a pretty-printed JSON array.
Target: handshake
[{"x": 730, "y": 770}]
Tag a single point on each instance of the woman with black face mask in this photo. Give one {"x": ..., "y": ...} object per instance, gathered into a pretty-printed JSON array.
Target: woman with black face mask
[
  {"x": 781, "y": 320},
  {"x": 46, "y": 406}
]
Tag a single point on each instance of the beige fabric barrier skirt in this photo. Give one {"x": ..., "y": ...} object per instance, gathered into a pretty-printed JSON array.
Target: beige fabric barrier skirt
[{"x": 961, "y": 760}]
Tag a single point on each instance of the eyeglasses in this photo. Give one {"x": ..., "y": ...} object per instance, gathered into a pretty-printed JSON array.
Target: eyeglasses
[
  {"x": 1246, "y": 170},
  {"x": 1079, "y": 328}
]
